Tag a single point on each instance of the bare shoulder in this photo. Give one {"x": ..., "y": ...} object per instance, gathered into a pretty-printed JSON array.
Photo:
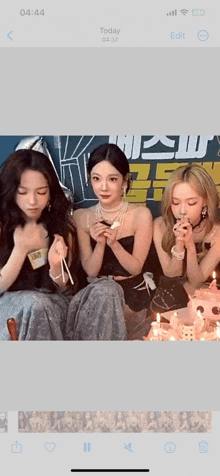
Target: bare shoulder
[
  {"x": 159, "y": 223},
  {"x": 216, "y": 229},
  {"x": 140, "y": 212},
  {"x": 77, "y": 215},
  {"x": 214, "y": 234},
  {"x": 84, "y": 217}
]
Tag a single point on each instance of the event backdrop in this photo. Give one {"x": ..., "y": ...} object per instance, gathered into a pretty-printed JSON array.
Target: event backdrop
[{"x": 151, "y": 158}]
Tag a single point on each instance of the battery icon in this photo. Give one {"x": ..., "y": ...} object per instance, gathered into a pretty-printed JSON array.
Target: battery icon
[{"x": 198, "y": 12}]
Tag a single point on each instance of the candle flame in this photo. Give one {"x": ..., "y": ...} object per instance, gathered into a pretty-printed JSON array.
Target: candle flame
[
  {"x": 199, "y": 314},
  {"x": 214, "y": 275},
  {"x": 172, "y": 338}
]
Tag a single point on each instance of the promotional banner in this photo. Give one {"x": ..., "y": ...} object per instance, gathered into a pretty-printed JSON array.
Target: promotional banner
[{"x": 152, "y": 159}]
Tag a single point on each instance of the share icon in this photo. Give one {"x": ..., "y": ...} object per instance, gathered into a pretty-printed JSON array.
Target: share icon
[{"x": 128, "y": 447}]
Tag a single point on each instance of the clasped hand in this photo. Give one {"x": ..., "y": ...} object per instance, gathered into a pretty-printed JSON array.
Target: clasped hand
[
  {"x": 103, "y": 234},
  {"x": 183, "y": 232},
  {"x": 30, "y": 237}
]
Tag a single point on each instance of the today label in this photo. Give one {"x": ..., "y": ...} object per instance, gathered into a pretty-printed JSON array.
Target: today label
[{"x": 110, "y": 31}]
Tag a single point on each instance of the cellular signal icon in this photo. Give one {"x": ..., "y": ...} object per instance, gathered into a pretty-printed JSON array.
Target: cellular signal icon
[
  {"x": 184, "y": 12},
  {"x": 172, "y": 14}
]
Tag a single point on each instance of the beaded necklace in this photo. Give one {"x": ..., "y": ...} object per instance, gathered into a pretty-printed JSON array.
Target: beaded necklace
[{"x": 115, "y": 217}]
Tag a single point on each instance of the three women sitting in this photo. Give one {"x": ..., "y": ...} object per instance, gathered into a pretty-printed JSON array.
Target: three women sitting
[{"x": 114, "y": 239}]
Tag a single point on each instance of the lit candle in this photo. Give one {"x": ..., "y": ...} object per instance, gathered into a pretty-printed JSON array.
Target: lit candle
[
  {"x": 172, "y": 338},
  {"x": 199, "y": 314},
  {"x": 158, "y": 318},
  {"x": 213, "y": 285},
  {"x": 217, "y": 330}
]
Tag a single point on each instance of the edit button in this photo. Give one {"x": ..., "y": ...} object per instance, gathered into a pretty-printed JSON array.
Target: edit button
[{"x": 177, "y": 36}]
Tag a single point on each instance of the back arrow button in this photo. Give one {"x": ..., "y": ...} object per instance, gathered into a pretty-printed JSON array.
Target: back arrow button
[{"x": 8, "y": 35}]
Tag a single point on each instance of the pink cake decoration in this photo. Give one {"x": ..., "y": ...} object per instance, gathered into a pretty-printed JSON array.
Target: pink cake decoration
[{"x": 205, "y": 303}]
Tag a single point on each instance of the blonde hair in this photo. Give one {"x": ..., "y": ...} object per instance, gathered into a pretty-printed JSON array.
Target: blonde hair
[{"x": 199, "y": 178}]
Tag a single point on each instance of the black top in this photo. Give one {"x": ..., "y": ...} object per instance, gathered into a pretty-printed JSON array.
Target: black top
[
  {"x": 28, "y": 278},
  {"x": 33, "y": 279},
  {"x": 110, "y": 264},
  {"x": 199, "y": 247}
]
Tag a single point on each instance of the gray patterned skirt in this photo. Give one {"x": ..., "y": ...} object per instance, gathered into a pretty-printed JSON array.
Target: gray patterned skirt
[
  {"x": 96, "y": 312},
  {"x": 38, "y": 315}
]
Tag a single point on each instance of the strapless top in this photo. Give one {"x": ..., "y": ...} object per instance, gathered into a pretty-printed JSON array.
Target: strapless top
[
  {"x": 199, "y": 246},
  {"x": 110, "y": 264}
]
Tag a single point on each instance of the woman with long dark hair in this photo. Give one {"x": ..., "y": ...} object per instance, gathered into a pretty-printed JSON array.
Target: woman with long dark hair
[
  {"x": 36, "y": 236},
  {"x": 114, "y": 239}
]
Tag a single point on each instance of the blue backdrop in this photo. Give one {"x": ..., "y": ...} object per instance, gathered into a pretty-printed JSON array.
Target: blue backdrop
[{"x": 151, "y": 158}]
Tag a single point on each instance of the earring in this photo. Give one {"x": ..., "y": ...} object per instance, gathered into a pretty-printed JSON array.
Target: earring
[
  {"x": 204, "y": 212},
  {"x": 49, "y": 207},
  {"x": 123, "y": 192}
]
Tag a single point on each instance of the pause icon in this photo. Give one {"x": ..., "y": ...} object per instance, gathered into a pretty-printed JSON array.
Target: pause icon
[{"x": 87, "y": 447}]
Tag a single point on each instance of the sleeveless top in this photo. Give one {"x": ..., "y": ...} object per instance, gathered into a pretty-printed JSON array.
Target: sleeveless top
[{"x": 110, "y": 264}]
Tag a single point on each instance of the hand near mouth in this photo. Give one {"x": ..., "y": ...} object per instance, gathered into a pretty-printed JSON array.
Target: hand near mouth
[
  {"x": 181, "y": 221},
  {"x": 183, "y": 231}
]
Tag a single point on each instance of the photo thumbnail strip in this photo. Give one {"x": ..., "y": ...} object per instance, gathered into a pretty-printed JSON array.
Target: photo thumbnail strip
[
  {"x": 3, "y": 422},
  {"x": 115, "y": 422}
]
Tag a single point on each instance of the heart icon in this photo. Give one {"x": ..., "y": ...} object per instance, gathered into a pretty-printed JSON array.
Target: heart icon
[{"x": 49, "y": 446}]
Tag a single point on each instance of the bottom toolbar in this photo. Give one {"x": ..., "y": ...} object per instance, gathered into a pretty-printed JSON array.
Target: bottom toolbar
[{"x": 59, "y": 453}]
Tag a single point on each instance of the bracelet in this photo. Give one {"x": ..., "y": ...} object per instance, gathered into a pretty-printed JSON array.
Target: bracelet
[
  {"x": 178, "y": 256},
  {"x": 54, "y": 278}
]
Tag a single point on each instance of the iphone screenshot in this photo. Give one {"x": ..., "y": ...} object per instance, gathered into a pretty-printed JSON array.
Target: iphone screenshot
[{"x": 109, "y": 238}]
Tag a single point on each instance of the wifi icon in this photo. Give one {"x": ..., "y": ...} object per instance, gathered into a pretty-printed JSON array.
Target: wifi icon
[{"x": 184, "y": 12}]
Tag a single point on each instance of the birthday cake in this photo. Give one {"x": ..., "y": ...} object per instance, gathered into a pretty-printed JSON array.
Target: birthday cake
[
  {"x": 205, "y": 303},
  {"x": 199, "y": 321}
]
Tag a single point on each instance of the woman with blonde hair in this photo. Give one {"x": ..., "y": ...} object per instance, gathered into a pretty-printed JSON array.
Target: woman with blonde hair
[{"x": 186, "y": 236}]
